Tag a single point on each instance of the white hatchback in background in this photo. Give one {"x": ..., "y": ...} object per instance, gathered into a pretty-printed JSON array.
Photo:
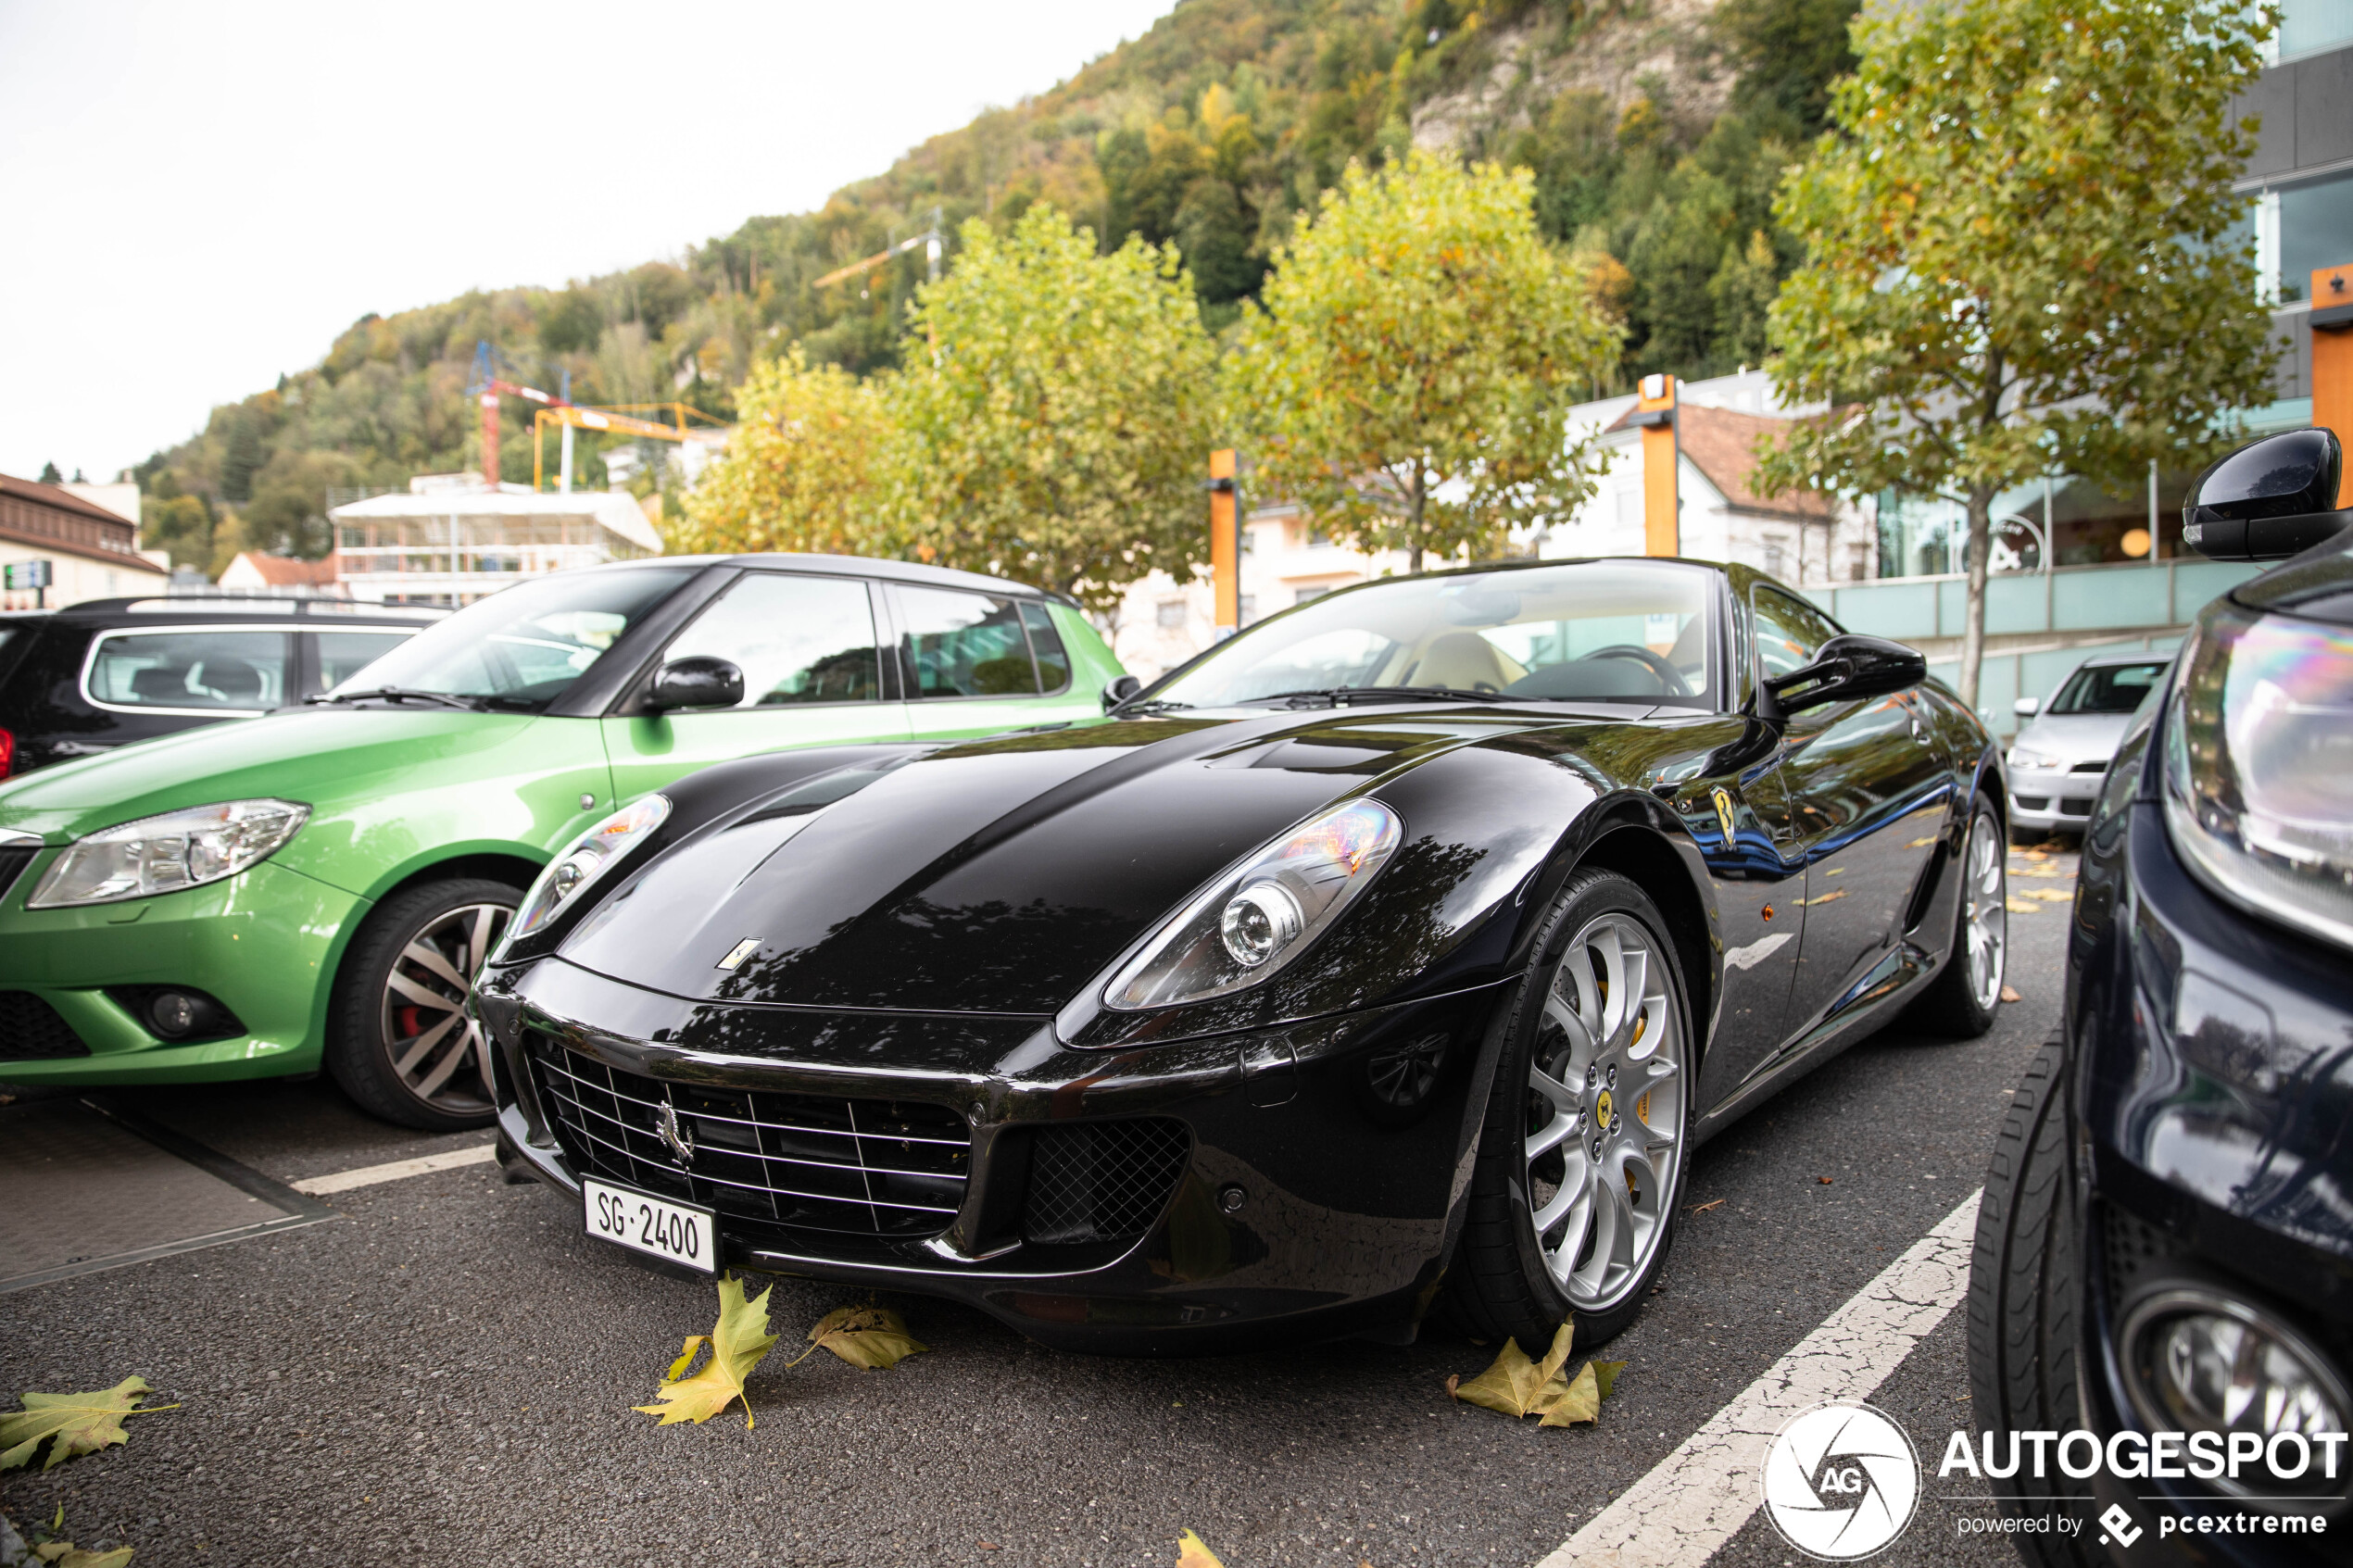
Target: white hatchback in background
[{"x": 2056, "y": 762}]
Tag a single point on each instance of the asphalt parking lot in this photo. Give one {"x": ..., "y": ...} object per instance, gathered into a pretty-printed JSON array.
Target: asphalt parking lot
[{"x": 443, "y": 1370}]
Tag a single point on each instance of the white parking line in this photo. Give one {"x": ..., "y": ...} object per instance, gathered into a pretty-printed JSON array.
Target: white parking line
[
  {"x": 369, "y": 1175},
  {"x": 1699, "y": 1496}
]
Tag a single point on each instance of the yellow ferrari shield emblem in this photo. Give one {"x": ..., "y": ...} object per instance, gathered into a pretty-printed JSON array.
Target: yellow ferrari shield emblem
[
  {"x": 1724, "y": 813},
  {"x": 1602, "y": 1111}
]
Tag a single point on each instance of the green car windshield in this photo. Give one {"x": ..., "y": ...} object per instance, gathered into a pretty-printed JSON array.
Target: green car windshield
[
  {"x": 520, "y": 648},
  {"x": 1625, "y": 631}
]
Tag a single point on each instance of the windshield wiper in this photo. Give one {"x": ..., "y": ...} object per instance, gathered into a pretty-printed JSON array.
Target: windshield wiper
[
  {"x": 404, "y": 694},
  {"x": 1336, "y": 695},
  {"x": 1154, "y": 705}
]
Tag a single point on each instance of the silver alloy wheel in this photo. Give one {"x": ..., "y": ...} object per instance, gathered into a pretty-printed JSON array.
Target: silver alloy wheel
[
  {"x": 437, "y": 1051},
  {"x": 1605, "y": 1112},
  {"x": 1985, "y": 909}
]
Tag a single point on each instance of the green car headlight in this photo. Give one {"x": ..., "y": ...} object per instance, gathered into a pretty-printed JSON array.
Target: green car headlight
[
  {"x": 2259, "y": 767},
  {"x": 585, "y": 860},
  {"x": 166, "y": 853}
]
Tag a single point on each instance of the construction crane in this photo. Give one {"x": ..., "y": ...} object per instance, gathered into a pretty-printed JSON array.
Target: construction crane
[
  {"x": 930, "y": 238},
  {"x": 488, "y": 385}
]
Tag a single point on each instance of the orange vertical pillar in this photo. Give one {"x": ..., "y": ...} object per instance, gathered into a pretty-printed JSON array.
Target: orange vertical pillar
[
  {"x": 1224, "y": 541},
  {"x": 1662, "y": 521},
  {"x": 2333, "y": 362}
]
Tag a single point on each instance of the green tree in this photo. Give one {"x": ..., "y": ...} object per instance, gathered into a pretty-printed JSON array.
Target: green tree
[
  {"x": 803, "y": 470},
  {"x": 49, "y": 474},
  {"x": 1057, "y": 412},
  {"x": 1409, "y": 379},
  {"x": 2020, "y": 258}
]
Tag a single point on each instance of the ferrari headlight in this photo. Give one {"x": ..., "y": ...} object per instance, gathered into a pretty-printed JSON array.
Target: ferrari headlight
[
  {"x": 2258, "y": 766},
  {"x": 590, "y": 853},
  {"x": 1252, "y": 921},
  {"x": 163, "y": 854}
]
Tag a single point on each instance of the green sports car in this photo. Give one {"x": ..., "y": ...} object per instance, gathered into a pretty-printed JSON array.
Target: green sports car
[{"x": 316, "y": 888}]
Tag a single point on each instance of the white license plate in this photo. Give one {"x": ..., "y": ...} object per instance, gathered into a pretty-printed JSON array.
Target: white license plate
[{"x": 643, "y": 1223}]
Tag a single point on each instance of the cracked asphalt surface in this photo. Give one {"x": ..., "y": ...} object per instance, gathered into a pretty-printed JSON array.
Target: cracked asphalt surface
[{"x": 446, "y": 1371}]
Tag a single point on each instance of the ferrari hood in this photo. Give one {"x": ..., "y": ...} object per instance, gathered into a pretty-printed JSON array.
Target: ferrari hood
[{"x": 994, "y": 877}]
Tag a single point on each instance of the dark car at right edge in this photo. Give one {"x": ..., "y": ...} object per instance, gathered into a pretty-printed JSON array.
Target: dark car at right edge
[{"x": 2163, "y": 1277}]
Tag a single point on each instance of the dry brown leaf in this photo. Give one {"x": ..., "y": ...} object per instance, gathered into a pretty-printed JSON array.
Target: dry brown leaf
[
  {"x": 873, "y": 1337},
  {"x": 2051, "y": 895},
  {"x": 2009, "y": 994},
  {"x": 1704, "y": 1208},
  {"x": 1809, "y": 903}
]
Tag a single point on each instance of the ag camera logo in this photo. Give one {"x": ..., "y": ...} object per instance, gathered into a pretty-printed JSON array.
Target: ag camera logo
[{"x": 1841, "y": 1481}]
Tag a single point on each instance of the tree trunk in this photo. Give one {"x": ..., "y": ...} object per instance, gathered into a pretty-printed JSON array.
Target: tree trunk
[
  {"x": 1420, "y": 497},
  {"x": 1981, "y": 546}
]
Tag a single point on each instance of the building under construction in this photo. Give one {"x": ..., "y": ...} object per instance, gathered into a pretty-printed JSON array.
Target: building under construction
[{"x": 450, "y": 539}]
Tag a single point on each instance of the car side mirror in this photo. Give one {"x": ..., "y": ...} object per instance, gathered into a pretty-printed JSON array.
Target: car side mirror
[
  {"x": 2027, "y": 707},
  {"x": 1846, "y": 668},
  {"x": 2269, "y": 500},
  {"x": 698, "y": 681},
  {"x": 1119, "y": 689}
]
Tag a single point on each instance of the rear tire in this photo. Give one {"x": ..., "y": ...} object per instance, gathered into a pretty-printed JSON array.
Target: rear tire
[
  {"x": 1586, "y": 1128},
  {"x": 2025, "y": 1297},
  {"x": 1962, "y": 998},
  {"x": 398, "y": 1039}
]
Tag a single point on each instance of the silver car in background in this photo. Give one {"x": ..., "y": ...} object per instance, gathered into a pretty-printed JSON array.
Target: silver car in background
[{"x": 2056, "y": 762}]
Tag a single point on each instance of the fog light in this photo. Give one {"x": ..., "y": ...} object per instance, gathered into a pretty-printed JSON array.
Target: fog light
[
  {"x": 1259, "y": 921},
  {"x": 2197, "y": 1360},
  {"x": 173, "y": 1014}
]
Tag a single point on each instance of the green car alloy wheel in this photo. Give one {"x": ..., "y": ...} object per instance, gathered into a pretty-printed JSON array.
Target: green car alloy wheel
[{"x": 316, "y": 888}]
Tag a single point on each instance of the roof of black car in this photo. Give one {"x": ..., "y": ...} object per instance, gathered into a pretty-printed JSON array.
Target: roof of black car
[{"x": 153, "y": 608}]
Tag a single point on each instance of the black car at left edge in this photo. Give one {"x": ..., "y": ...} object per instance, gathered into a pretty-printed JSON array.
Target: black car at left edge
[{"x": 1407, "y": 943}]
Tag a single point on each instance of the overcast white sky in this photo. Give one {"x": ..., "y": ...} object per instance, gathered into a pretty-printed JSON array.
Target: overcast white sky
[{"x": 195, "y": 197}]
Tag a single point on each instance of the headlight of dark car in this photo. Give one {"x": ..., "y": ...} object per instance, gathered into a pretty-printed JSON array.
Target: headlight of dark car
[
  {"x": 1252, "y": 921},
  {"x": 571, "y": 874},
  {"x": 2259, "y": 767}
]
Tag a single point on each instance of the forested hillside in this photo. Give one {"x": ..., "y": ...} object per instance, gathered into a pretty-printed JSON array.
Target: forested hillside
[{"x": 1655, "y": 128}]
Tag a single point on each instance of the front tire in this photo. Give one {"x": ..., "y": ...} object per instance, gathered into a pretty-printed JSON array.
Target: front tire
[
  {"x": 1580, "y": 1158},
  {"x": 398, "y": 1038},
  {"x": 2025, "y": 1294}
]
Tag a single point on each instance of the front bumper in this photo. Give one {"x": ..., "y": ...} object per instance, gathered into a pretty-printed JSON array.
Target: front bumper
[
  {"x": 262, "y": 943},
  {"x": 2216, "y": 1090},
  {"x": 2051, "y": 799},
  {"x": 1301, "y": 1203}
]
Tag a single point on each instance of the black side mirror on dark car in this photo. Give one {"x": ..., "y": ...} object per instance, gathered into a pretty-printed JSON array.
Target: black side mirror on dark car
[
  {"x": 697, "y": 682},
  {"x": 2269, "y": 500},
  {"x": 1846, "y": 668}
]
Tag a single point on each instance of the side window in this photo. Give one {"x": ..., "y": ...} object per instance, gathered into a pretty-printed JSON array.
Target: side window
[
  {"x": 1046, "y": 643},
  {"x": 798, "y": 639},
  {"x": 230, "y": 670},
  {"x": 338, "y": 655},
  {"x": 1788, "y": 633},
  {"x": 968, "y": 645}
]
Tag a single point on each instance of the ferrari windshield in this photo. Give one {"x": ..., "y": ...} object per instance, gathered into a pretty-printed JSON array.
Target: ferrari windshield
[
  {"x": 521, "y": 647},
  {"x": 1623, "y": 631}
]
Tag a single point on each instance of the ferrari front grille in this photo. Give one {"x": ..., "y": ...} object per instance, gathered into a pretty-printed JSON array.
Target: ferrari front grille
[
  {"x": 864, "y": 1167},
  {"x": 31, "y": 1030},
  {"x": 1102, "y": 1181}
]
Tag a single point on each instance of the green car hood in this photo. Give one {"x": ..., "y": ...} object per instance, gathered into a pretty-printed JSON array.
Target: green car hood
[{"x": 380, "y": 782}]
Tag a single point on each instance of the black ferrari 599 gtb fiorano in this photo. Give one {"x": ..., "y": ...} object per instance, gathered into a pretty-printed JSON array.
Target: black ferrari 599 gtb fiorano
[{"x": 1407, "y": 943}]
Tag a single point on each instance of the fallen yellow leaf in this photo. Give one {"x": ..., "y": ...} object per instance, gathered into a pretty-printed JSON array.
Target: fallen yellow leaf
[
  {"x": 872, "y": 1337},
  {"x": 2051, "y": 895},
  {"x": 736, "y": 1342},
  {"x": 1192, "y": 1553},
  {"x": 81, "y": 1424},
  {"x": 1809, "y": 903},
  {"x": 1581, "y": 1400},
  {"x": 65, "y": 1554},
  {"x": 1518, "y": 1387},
  {"x": 2019, "y": 907}
]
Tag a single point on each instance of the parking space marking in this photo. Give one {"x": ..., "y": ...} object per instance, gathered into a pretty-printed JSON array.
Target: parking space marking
[
  {"x": 1698, "y": 1497},
  {"x": 369, "y": 1175}
]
